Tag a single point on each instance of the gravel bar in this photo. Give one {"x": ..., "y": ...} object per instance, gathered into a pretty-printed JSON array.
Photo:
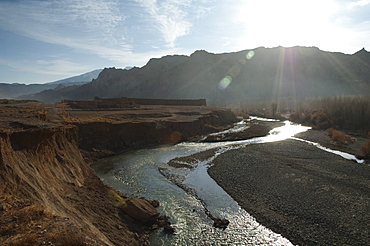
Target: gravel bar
[{"x": 310, "y": 196}]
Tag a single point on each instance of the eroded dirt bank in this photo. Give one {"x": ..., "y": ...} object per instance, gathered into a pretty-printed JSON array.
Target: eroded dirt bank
[
  {"x": 107, "y": 133},
  {"x": 50, "y": 195},
  {"x": 310, "y": 196},
  {"x": 44, "y": 169}
]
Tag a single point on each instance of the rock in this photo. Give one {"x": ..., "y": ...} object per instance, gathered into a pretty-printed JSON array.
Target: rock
[
  {"x": 220, "y": 223},
  {"x": 141, "y": 210},
  {"x": 169, "y": 229},
  {"x": 155, "y": 203},
  {"x": 163, "y": 221},
  {"x": 154, "y": 227}
]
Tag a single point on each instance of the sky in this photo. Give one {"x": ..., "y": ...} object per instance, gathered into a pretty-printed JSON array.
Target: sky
[{"x": 47, "y": 40}]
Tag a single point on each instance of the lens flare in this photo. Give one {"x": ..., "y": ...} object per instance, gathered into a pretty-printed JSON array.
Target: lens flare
[
  {"x": 250, "y": 54},
  {"x": 225, "y": 82},
  {"x": 234, "y": 71}
]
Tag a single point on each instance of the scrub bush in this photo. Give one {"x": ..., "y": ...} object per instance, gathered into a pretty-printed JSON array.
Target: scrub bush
[
  {"x": 365, "y": 149},
  {"x": 339, "y": 137}
]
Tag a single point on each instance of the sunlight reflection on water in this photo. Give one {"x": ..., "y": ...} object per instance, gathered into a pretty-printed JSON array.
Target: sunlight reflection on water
[{"x": 285, "y": 132}]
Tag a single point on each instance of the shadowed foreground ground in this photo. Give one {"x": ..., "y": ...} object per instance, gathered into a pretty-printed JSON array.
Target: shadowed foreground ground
[{"x": 309, "y": 196}]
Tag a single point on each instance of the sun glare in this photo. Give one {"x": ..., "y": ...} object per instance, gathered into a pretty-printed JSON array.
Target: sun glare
[{"x": 287, "y": 22}]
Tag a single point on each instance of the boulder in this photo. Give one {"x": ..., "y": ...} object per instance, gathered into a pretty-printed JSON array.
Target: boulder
[{"x": 141, "y": 210}]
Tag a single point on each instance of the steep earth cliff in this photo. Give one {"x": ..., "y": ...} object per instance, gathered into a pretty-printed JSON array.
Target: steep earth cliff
[{"x": 45, "y": 168}]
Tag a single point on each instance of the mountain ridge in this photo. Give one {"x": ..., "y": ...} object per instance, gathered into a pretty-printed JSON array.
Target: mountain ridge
[
  {"x": 15, "y": 90},
  {"x": 229, "y": 78}
]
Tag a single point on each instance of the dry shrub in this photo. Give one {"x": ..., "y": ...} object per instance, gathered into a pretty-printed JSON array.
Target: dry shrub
[
  {"x": 339, "y": 137},
  {"x": 300, "y": 117},
  {"x": 365, "y": 149},
  {"x": 320, "y": 120}
]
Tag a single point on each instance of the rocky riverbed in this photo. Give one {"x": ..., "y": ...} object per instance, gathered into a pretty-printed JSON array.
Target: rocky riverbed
[{"x": 310, "y": 196}]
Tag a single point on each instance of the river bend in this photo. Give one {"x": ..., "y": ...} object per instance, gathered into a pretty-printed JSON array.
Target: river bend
[{"x": 138, "y": 173}]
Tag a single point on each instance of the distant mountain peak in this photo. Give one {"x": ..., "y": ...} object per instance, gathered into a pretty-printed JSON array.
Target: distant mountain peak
[
  {"x": 362, "y": 51},
  {"x": 86, "y": 77},
  {"x": 363, "y": 55}
]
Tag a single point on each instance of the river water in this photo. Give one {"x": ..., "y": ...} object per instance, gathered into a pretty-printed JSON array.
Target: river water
[{"x": 139, "y": 173}]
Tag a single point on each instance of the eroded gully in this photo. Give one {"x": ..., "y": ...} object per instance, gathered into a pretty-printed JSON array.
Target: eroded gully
[{"x": 146, "y": 173}]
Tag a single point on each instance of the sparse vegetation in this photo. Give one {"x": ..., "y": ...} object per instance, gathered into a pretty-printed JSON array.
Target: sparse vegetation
[
  {"x": 344, "y": 112},
  {"x": 23, "y": 223},
  {"x": 117, "y": 200},
  {"x": 339, "y": 137},
  {"x": 348, "y": 113},
  {"x": 365, "y": 149}
]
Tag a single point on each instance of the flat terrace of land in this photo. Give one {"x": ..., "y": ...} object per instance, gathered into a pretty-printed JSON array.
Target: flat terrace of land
[
  {"x": 145, "y": 113},
  {"x": 32, "y": 114}
]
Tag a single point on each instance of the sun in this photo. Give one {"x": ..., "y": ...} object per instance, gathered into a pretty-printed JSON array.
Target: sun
[{"x": 287, "y": 22}]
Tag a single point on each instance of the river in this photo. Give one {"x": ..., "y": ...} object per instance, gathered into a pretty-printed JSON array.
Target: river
[{"x": 138, "y": 173}]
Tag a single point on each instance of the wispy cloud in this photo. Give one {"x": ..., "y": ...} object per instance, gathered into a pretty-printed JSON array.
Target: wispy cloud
[
  {"x": 60, "y": 67},
  {"x": 171, "y": 17},
  {"x": 360, "y": 3},
  {"x": 86, "y": 25}
]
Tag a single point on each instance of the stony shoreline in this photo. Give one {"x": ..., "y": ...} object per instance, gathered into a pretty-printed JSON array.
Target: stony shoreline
[{"x": 310, "y": 196}]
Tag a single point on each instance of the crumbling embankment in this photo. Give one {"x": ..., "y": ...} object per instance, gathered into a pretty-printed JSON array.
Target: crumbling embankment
[
  {"x": 102, "y": 139},
  {"x": 45, "y": 168}
]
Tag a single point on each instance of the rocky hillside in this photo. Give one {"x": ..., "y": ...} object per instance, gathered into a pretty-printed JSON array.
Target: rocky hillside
[{"x": 224, "y": 79}]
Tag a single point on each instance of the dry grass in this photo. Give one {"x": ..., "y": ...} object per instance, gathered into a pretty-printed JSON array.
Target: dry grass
[
  {"x": 23, "y": 223},
  {"x": 116, "y": 199}
]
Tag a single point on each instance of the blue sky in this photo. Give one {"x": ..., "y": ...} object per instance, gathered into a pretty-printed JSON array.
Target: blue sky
[{"x": 47, "y": 40}]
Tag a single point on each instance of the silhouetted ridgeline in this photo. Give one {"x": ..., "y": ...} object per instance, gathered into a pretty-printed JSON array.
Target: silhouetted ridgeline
[{"x": 231, "y": 78}]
